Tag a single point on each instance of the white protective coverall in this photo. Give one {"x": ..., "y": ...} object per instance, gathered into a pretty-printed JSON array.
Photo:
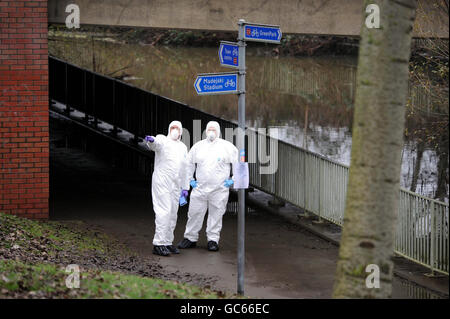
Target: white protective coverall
[
  {"x": 214, "y": 160},
  {"x": 167, "y": 182}
]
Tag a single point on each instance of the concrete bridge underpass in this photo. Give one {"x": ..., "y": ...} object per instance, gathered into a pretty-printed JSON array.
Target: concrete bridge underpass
[{"x": 321, "y": 17}]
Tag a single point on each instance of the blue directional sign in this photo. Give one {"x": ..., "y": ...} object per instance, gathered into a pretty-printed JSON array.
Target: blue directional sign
[
  {"x": 229, "y": 54},
  {"x": 262, "y": 33},
  {"x": 216, "y": 83}
]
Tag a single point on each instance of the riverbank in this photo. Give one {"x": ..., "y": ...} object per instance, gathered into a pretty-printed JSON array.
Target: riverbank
[{"x": 291, "y": 45}]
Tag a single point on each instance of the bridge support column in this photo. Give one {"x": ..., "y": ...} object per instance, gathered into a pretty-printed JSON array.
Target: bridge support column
[{"x": 24, "y": 118}]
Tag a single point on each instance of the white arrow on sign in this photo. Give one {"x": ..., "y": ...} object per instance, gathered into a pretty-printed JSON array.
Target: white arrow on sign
[
  {"x": 198, "y": 84},
  {"x": 221, "y": 54}
]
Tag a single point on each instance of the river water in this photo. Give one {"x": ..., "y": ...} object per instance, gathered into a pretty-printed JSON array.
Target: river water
[{"x": 284, "y": 93}]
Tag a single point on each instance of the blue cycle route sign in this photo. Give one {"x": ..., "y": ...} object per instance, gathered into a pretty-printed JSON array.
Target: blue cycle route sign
[
  {"x": 229, "y": 54},
  {"x": 216, "y": 83},
  {"x": 262, "y": 33}
]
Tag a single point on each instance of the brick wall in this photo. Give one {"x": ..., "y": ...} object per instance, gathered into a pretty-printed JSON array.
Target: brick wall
[{"x": 24, "y": 139}]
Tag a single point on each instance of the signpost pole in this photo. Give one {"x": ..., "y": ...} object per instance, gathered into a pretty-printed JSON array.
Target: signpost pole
[
  {"x": 241, "y": 147},
  {"x": 225, "y": 83}
]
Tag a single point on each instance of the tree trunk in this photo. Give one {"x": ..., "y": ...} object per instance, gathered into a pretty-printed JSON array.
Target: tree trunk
[
  {"x": 442, "y": 168},
  {"x": 374, "y": 180},
  {"x": 417, "y": 165}
]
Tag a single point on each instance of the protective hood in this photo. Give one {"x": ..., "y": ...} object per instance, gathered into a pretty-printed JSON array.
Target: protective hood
[
  {"x": 177, "y": 124},
  {"x": 215, "y": 125}
]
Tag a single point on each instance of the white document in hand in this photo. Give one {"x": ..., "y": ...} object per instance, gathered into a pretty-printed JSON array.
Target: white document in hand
[{"x": 241, "y": 176}]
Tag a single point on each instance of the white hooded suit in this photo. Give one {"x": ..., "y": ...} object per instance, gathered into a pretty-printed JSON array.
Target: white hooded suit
[
  {"x": 167, "y": 182},
  {"x": 214, "y": 161}
]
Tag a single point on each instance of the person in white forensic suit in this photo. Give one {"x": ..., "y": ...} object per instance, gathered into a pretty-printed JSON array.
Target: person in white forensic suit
[
  {"x": 212, "y": 160},
  {"x": 168, "y": 189}
]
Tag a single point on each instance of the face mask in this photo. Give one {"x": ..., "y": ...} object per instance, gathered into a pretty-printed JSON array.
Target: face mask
[
  {"x": 174, "y": 134},
  {"x": 211, "y": 135}
]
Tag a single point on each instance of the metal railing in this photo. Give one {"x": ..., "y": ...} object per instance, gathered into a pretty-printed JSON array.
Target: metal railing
[{"x": 303, "y": 178}]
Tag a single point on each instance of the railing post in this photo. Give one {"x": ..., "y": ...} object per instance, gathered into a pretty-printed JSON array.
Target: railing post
[
  {"x": 94, "y": 109},
  {"x": 276, "y": 200},
  {"x": 66, "y": 93},
  {"x": 305, "y": 183},
  {"x": 134, "y": 125},
  {"x": 86, "y": 115},
  {"x": 433, "y": 239},
  {"x": 320, "y": 192},
  {"x": 114, "y": 107}
]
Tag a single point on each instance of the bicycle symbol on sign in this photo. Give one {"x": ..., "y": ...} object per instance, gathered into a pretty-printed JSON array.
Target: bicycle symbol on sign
[
  {"x": 255, "y": 33},
  {"x": 230, "y": 83}
]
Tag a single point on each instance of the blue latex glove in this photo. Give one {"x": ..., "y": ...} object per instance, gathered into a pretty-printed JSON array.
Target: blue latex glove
[
  {"x": 149, "y": 138},
  {"x": 228, "y": 182},
  {"x": 183, "y": 201},
  {"x": 184, "y": 193},
  {"x": 193, "y": 183}
]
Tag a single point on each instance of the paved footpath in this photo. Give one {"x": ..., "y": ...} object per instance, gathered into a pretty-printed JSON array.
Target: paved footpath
[{"x": 437, "y": 285}]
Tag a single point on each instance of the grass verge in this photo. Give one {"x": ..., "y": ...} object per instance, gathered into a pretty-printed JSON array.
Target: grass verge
[
  {"x": 20, "y": 280},
  {"x": 34, "y": 256}
]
